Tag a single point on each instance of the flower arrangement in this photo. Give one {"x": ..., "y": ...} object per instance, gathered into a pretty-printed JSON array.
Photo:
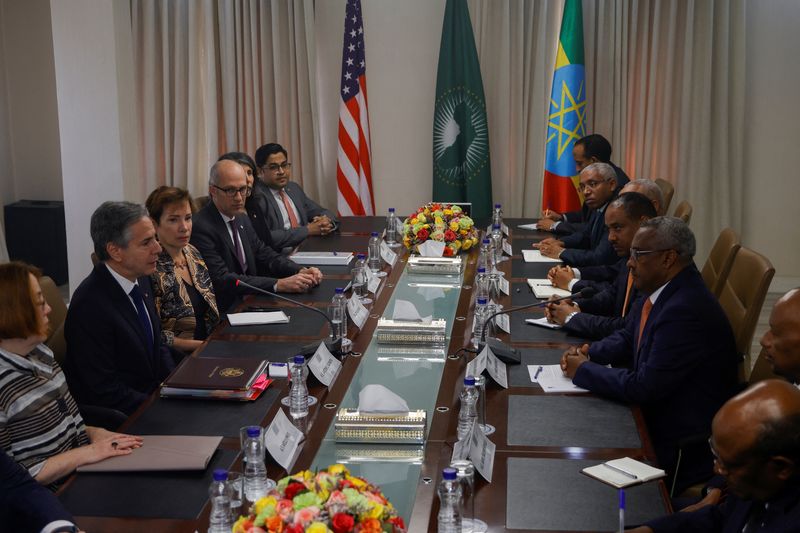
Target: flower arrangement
[
  {"x": 441, "y": 222},
  {"x": 329, "y": 501}
]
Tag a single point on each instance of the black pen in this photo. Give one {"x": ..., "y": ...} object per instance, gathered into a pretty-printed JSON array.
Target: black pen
[{"x": 539, "y": 371}]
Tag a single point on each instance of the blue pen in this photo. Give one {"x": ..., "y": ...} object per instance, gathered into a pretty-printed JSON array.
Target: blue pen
[
  {"x": 335, "y": 254},
  {"x": 621, "y": 510}
]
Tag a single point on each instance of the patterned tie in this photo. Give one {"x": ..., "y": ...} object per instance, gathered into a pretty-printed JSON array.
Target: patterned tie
[
  {"x": 237, "y": 245},
  {"x": 144, "y": 319},
  {"x": 627, "y": 294},
  {"x": 292, "y": 217},
  {"x": 648, "y": 305}
]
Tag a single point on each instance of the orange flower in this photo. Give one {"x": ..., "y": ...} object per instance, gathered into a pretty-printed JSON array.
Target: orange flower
[
  {"x": 371, "y": 525},
  {"x": 274, "y": 524}
]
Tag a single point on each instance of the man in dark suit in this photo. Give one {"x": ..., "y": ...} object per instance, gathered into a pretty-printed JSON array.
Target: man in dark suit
[
  {"x": 115, "y": 358},
  {"x": 676, "y": 356},
  {"x": 593, "y": 148},
  {"x": 232, "y": 251},
  {"x": 605, "y": 312},
  {"x": 28, "y": 506},
  {"x": 781, "y": 342},
  {"x": 588, "y": 246},
  {"x": 756, "y": 447},
  {"x": 279, "y": 207}
]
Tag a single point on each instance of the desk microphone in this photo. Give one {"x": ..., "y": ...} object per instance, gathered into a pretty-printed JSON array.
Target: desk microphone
[
  {"x": 506, "y": 353},
  {"x": 335, "y": 347}
]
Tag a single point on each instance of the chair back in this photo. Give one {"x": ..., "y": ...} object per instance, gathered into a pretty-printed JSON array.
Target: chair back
[
  {"x": 718, "y": 265},
  {"x": 667, "y": 190},
  {"x": 58, "y": 344},
  {"x": 743, "y": 296},
  {"x": 683, "y": 211},
  {"x": 201, "y": 201},
  {"x": 54, "y": 299}
]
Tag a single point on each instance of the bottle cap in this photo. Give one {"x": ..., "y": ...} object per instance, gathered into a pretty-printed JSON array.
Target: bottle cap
[
  {"x": 449, "y": 474},
  {"x": 391, "y": 209},
  {"x": 360, "y": 256},
  {"x": 220, "y": 474},
  {"x": 374, "y": 233},
  {"x": 299, "y": 360},
  {"x": 495, "y": 226},
  {"x": 469, "y": 381},
  {"x": 497, "y": 206},
  {"x": 481, "y": 301},
  {"x": 339, "y": 290},
  {"x": 481, "y": 270},
  {"x": 486, "y": 241},
  {"x": 253, "y": 432}
]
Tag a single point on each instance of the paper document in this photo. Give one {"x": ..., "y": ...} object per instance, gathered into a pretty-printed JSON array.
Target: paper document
[
  {"x": 321, "y": 258},
  {"x": 535, "y": 256},
  {"x": 552, "y": 379},
  {"x": 542, "y": 322},
  {"x": 529, "y": 227},
  {"x": 623, "y": 472},
  {"x": 257, "y": 318},
  {"x": 543, "y": 288}
]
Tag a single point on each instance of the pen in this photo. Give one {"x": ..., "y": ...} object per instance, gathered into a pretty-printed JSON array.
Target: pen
[
  {"x": 621, "y": 511},
  {"x": 335, "y": 254},
  {"x": 538, "y": 371},
  {"x": 621, "y": 471}
]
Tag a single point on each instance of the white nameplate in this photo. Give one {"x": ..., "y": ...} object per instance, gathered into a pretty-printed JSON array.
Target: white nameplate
[
  {"x": 504, "y": 229},
  {"x": 503, "y": 322},
  {"x": 481, "y": 453},
  {"x": 373, "y": 284},
  {"x": 324, "y": 365},
  {"x": 478, "y": 365},
  {"x": 282, "y": 439},
  {"x": 388, "y": 254},
  {"x": 497, "y": 369},
  {"x": 358, "y": 313},
  {"x": 507, "y": 248},
  {"x": 505, "y": 286}
]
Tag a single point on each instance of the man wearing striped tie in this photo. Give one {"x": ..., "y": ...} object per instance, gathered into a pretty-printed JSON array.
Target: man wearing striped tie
[
  {"x": 676, "y": 357},
  {"x": 280, "y": 207}
]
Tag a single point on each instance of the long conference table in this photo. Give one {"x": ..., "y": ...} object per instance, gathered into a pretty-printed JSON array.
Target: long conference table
[{"x": 542, "y": 440}]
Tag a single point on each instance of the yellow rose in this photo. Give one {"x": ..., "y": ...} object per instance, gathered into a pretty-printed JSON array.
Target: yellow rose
[
  {"x": 317, "y": 527},
  {"x": 448, "y": 212},
  {"x": 375, "y": 510},
  {"x": 455, "y": 245},
  {"x": 263, "y": 502},
  {"x": 454, "y": 226},
  {"x": 412, "y": 221},
  {"x": 467, "y": 244},
  {"x": 357, "y": 483},
  {"x": 439, "y": 221},
  {"x": 421, "y": 218},
  {"x": 337, "y": 468}
]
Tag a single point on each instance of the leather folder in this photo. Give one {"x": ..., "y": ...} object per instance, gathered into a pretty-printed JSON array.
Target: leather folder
[{"x": 161, "y": 453}]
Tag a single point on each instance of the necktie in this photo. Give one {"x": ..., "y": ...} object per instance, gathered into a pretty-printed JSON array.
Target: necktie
[
  {"x": 755, "y": 521},
  {"x": 292, "y": 218},
  {"x": 627, "y": 294},
  {"x": 648, "y": 305},
  {"x": 144, "y": 319},
  {"x": 237, "y": 245}
]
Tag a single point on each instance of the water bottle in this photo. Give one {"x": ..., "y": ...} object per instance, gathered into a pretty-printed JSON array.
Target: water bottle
[
  {"x": 359, "y": 273},
  {"x": 337, "y": 311},
  {"x": 449, "y": 520},
  {"x": 219, "y": 494},
  {"x": 497, "y": 215},
  {"x": 497, "y": 243},
  {"x": 374, "y": 249},
  {"x": 481, "y": 310},
  {"x": 255, "y": 471},
  {"x": 486, "y": 256},
  {"x": 391, "y": 228},
  {"x": 481, "y": 284},
  {"x": 469, "y": 410},
  {"x": 298, "y": 394}
]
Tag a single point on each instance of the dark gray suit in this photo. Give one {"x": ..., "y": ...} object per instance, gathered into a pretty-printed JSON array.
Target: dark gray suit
[{"x": 265, "y": 214}]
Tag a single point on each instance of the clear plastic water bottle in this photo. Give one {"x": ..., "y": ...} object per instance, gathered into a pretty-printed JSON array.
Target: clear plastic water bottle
[
  {"x": 449, "y": 519},
  {"x": 469, "y": 408},
  {"x": 481, "y": 313},
  {"x": 481, "y": 284},
  {"x": 374, "y": 260},
  {"x": 486, "y": 256},
  {"x": 391, "y": 228},
  {"x": 256, "y": 483},
  {"x": 298, "y": 394},
  {"x": 219, "y": 494},
  {"x": 497, "y": 215},
  {"x": 359, "y": 278},
  {"x": 337, "y": 311},
  {"x": 497, "y": 243}
]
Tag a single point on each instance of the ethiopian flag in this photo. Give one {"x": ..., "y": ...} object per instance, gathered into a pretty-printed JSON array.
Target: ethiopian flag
[
  {"x": 566, "y": 121},
  {"x": 461, "y": 167}
]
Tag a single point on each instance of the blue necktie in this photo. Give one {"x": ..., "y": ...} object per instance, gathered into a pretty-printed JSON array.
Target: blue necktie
[{"x": 144, "y": 319}]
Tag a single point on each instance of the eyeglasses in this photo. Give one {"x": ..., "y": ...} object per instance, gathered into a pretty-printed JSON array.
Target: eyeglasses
[
  {"x": 231, "y": 192},
  {"x": 591, "y": 184},
  {"x": 274, "y": 167},
  {"x": 636, "y": 254}
]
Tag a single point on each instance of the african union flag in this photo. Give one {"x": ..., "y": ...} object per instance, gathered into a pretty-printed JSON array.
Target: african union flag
[{"x": 566, "y": 121}]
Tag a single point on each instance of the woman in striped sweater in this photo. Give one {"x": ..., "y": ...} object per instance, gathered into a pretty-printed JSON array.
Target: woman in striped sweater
[{"x": 40, "y": 426}]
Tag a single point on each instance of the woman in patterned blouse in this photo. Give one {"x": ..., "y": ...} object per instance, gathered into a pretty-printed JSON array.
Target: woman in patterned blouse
[
  {"x": 181, "y": 284},
  {"x": 40, "y": 426}
]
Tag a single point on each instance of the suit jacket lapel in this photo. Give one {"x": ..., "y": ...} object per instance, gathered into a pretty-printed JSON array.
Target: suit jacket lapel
[{"x": 225, "y": 235}]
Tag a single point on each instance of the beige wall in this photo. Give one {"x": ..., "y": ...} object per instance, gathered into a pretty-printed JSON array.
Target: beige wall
[{"x": 772, "y": 138}]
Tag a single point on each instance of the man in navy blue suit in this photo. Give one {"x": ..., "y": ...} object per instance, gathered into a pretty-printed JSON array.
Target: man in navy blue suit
[
  {"x": 605, "y": 312},
  {"x": 756, "y": 447},
  {"x": 115, "y": 358},
  {"x": 588, "y": 246},
  {"x": 676, "y": 356}
]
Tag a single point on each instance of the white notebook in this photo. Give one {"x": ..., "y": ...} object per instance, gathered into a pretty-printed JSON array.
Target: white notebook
[
  {"x": 257, "y": 318},
  {"x": 543, "y": 288},
  {"x": 321, "y": 258},
  {"x": 542, "y": 322},
  {"x": 535, "y": 256},
  {"x": 552, "y": 379},
  {"x": 623, "y": 472}
]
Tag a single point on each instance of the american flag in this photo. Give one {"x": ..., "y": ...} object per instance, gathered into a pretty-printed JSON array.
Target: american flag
[{"x": 353, "y": 168}]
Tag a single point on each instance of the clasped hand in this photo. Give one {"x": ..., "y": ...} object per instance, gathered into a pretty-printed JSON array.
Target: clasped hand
[{"x": 573, "y": 358}]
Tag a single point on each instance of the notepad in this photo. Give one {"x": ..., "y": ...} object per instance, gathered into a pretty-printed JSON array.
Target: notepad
[
  {"x": 623, "y": 472},
  {"x": 530, "y": 227},
  {"x": 161, "y": 453},
  {"x": 543, "y": 288},
  {"x": 321, "y": 258},
  {"x": 542, "y": 322},
  {"x": 535, "y": 256},
  {"x": 552, "y": 379},
  {"x": 257, "y": 318}
]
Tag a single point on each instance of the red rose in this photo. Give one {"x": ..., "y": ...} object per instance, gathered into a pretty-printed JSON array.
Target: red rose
[
  {"x": 345, "y": 484},
  {"x": 294, "y": 528},
  {"x": 342, "y": 523},
  {"x": 448, "y": 251},
  {"x": 422, "y": 235},
  {"x": 449, "y": 235},
  {"x": 293, "y": 489},
  {"x": 397, "y": 521}
]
